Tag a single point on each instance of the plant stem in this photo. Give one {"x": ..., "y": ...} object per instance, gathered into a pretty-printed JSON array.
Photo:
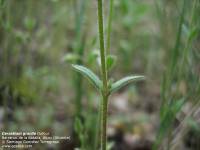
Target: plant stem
[
  {"x": 102, "y": 49},
  {"x": 97, "y": 131},
  {"x": 104, "y": 122},
  {"x": 104, "y": 77}
]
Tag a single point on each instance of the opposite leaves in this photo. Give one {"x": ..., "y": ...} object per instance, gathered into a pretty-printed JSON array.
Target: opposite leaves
[{"x": 94, "y": 79}]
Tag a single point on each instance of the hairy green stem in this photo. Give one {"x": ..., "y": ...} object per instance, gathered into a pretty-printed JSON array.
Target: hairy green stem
[
  {"x": 97, "y": 131},
  {"x": 104, "y": 77},
  {"x": 102, "y": 49},
  {"x": 104, "y": 122}
]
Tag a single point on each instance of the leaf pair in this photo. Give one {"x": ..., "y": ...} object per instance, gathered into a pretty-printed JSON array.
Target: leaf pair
[{"x": 94, "y": 79}]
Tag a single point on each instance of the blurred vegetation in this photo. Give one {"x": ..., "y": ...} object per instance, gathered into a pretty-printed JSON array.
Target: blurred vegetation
[{"x": 158, "y": 38}]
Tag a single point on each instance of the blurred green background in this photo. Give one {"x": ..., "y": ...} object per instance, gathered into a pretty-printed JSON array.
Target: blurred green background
[{"x": 39, "y": 91}]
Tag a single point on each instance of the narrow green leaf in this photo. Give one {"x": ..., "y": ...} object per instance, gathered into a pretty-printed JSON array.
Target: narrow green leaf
[
  {"x": 70, "y": 57},
  {"x": 78, "y": 125},
  {"x": 110, "y": 61},
  {"x": 89, "y": 75},
  {"x": 193, "y": 34},
  {"x": 123, "y": 82},
  {"x": 29, "y": 23},
  {"x": 110, "y": 145}
]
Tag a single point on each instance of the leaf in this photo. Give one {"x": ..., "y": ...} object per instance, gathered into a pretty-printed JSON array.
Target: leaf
[
  {"x": 110, "y": 61},
  {"x": 70, "y": 57},
  {"x": 193, "y": 34},
  {"x": 92, "y": 57},
  {"x": 123, "y": 82},
  {"x": 177, "y": 105},
  {"x": 78, "y": 126},
  {"x": 29, "y": 23},
  {"x": 185, "y": 29},
  {"x": 89, "y": 74},
  {"x": 193, "y": 124},
  {"x": 169, "y": 115},
  {"x": 109, "y": 145}
]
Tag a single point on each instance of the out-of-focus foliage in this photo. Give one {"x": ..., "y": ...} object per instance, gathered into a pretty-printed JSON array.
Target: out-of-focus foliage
[{"x": 157, "y": 38}]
